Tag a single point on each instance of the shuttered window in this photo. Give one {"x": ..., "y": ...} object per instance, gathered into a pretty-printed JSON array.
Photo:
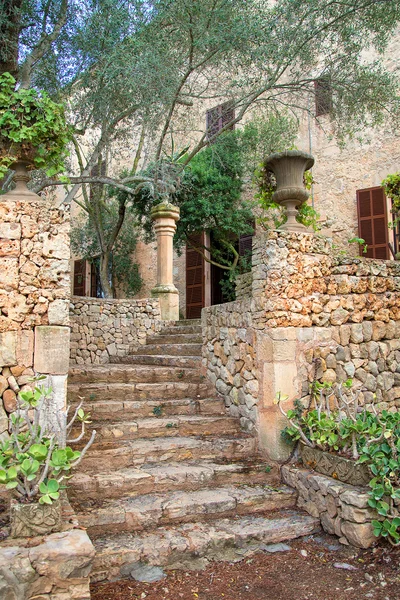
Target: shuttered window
[
  {"x": 194, "y": 279},
  {"x": 218, "y": 117},
  {"x": 79, "y": 277},
  {"x": 373, "y": 222}
]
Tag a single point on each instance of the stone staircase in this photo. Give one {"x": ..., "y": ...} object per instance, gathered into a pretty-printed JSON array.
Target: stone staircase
[{"x": 171, "y": 480}]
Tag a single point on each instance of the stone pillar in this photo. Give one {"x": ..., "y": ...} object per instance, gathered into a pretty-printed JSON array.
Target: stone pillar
[
  {"x": 34, "y": 298},
  {"x": 165, "y": 216}
]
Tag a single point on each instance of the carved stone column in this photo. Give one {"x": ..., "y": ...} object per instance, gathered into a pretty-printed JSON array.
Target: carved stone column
[{"x": 165, "y": 216}]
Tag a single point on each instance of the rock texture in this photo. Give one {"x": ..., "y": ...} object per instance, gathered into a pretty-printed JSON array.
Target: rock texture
[
  {"x": 102, "y": 330},
  {"x": 303, "y": 313},
  {"x": 342, "y": 508}
]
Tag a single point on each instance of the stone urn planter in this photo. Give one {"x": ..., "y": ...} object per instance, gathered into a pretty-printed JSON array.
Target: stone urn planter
[
  {"x": 288, "y": 168},
  {"x": 338, "y": 467},
  {"x": 21, "y": 178},
  {"x": 30, "y": 520}
]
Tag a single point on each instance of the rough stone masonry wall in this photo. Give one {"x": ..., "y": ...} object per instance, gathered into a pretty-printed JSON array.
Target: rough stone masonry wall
[
  {"x": 34, "y": 297},
  {"x": 102, "y": 330},
  {"x": 342, "y": 508},
  {"x": 310, "y": 313}
]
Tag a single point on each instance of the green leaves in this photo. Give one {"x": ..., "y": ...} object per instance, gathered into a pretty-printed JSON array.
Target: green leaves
[
  {"x": 49, "y": 491},
  {"x": 31, "y": 124}
]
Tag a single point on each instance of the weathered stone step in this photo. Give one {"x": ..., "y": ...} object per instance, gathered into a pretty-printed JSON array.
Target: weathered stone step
[
  {"x": 180, "y": 338},
  {"x": 150, "y": 478},
  {"x": 175, "y": 329},
  {"x": 162, "y": 427},
  {"x": 171, "y": 349},
  {"x": 122, "y": 373},
  {"x": 161, "y": 360},
  {"x": 104, "y": 410},
  {"x": 153, "y": 510},
  {"x": 138, "y": 391},
  {"x": 186, "y": 322},
  {"x": 168, "y": 449},
  {"x": 192, "y": 545}
]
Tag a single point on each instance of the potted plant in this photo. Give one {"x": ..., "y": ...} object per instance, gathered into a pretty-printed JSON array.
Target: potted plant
[
  {"x": 336, "y": 429},
  {"x": 33, "y": 131},
  {"x": 34, "y": 463}
]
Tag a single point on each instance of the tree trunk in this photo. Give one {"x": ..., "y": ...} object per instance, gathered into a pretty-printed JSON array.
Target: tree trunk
[
  {"x": 104, "y": 280},
  {"x": 10, "y": 22}
]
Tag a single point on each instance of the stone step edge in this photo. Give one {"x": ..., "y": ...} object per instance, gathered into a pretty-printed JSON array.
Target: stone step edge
[
  {"x": 176, "y": 476},
  {"x": 149, "y": 511},
  {"x": 193, "y": 545}
]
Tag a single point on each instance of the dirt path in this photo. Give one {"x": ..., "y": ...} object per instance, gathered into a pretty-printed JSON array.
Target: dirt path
[{"x": 306, "y": 571}]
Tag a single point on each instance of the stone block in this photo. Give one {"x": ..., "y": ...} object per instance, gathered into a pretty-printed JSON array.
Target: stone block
[
  {"x": 8, "y": 348},
  {"x": 58, "y": 312},
  {"x": 8, "y": 273},
  {"x": 51, "y": 349},
  {"x": 359, "y": 534},
  {"x": 10, "y": 231},
  {"x": 24, "y": 350}
]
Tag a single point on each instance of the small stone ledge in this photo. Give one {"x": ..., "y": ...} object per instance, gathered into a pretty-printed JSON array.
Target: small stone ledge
[
  {"x": 342, "y": 508},
  {"x": 51, "y": 567}
]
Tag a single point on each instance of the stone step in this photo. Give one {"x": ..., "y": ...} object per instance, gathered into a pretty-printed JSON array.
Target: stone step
[
  {"x": 180, "y": 338},
  {"x": 186, "y": 329},
  {"x": 153, "y": 510},
  {"x": 192, "y": 545},
  {"x": 168, "y": 449},
  {"x": 151, "y": 478},
  {"x": 171, "y": 349},
  {"x": 160, "y": 360},
  {"x": 122, "y": 373},
  {"x": 103, "y": 410},
  {"x": 126, "y": 392},
  {"x": 186, "y": 322},
  {"x": 161, "y": 427}
]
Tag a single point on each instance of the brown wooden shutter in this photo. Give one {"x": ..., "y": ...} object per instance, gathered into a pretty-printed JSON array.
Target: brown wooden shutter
[
  {"x": 195, "y": 287},
  {"x": 79, "y": 278},
  {"x": 218, "y": 117},
  {"x": 373, "y": 222}
]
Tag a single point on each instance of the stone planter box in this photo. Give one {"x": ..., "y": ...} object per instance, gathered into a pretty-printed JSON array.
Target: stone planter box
[
  {"x": 337, "y": 467},
  {"x": 30, "y": 520}
]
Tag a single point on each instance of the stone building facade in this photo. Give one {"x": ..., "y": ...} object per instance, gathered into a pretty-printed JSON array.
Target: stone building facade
[{"x": 310, "y": 314}]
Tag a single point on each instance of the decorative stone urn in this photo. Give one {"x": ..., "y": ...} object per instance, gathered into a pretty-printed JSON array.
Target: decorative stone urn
[
  {"x": 29, "y": 520},
  {"x": 288, "y": 168},
  {"x": 21, "y": 179}
]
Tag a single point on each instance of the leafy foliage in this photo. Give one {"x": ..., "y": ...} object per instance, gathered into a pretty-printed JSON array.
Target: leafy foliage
[
  {"x": 32, "y": 462},
  {"x": 391, "y": 186},
  {"x": 31, "y": 125},
  {"x": 374, "y": 440}
]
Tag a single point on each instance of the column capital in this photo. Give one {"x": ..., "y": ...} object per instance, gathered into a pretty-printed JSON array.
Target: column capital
[{"x": 165, "y": 210}]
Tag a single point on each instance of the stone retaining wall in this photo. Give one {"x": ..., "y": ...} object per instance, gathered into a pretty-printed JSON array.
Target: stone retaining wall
[
  {"x": 229, "y": 358},
  {"x": 243, "y": 285},
  {"x": 342, "y": 508},
  {"x": 34, "y": 297},
  {"x": 310, "y": 314},
  {"x": 102, "y": 329}
]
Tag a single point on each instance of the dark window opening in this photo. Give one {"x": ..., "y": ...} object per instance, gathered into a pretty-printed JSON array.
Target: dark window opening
[
  {"x": 323, "y": 96},
  {"x": 218, "y": 117}
]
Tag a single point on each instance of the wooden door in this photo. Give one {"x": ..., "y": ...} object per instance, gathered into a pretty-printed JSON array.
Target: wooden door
[{"x": 195, "y": 285}]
